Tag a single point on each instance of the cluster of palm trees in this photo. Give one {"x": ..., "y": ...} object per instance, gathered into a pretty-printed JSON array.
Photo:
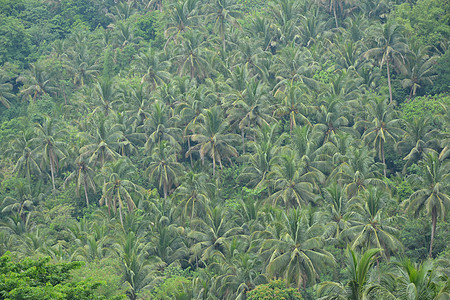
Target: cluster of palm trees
[{"x": 247, "y": 149}]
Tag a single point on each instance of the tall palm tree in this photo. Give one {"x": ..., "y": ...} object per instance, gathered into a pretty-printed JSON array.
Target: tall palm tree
[
  {"x": 260, "y": 161},
  {"x": 159, "y": 126},
  {"x": 212, "y": 139},
  {"x": 419, "y": 281},
  {"x": 190, "y": 55},
  {"x": 181, "y": 19},
  {"x": 359, "y": 285},
  {"x": 153, "y": 68},
  {"x": 117, "y": 189},
  {"x": 83, "y": 175},
  {"x": 249, "y": 109},
  {"x": 37, "y": 81},
  {"x": 296, "y": 251},
  {"x": 371, "y": 227},
  {"x": 50, "y": 145},
  {"x": 292, "y": 103},
  {"x": 419, "y": 69},
  {"x": 102, "y": 144},
  {"x": 382, "y": 127},
  {"x": 292, "y": 183},
  {"x": 211, "y": 233},
  {"x": 137, "y": 268},
  {"x": 164, "y": 169},
  {"x": 5, "y": 90},
  {"x": 432, "y": 190},
  {"x": 420, "y": 138},
  {"x": 21, "y": 149},
  {"x": 193, "y": 194},
  {"x": 224, "y": 12},
  {"x": 390, "y": 49}
]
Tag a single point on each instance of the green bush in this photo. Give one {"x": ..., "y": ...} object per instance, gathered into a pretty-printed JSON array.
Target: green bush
[{"x": 274, "y": 290}]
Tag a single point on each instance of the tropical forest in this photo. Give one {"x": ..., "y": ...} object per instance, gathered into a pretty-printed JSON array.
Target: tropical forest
[{"x": 225, "y": 149}]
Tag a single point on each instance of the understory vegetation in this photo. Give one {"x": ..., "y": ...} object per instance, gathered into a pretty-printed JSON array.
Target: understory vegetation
[{"x": 224, "y": 149}]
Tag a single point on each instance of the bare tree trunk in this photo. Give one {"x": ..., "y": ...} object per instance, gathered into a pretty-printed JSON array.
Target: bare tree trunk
[
  {"x": 190, "y": 153},
  {"x": 52, "y": 172},
  {"x": 433, "y": 228},
  {"x": 214, "y": 163},
  {"x": 335, "y": 16},
  {"x": 383, "y": 158},
  {"x": 389, "y": 81},
  {"x": 243, "y": 141},
  {"x": 85, "y": 191}
]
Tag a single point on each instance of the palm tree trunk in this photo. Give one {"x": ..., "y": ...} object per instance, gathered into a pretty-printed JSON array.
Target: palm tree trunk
[
  {"x": 389, "y": 81},
  {"x": 52, "y": 172},
  {"x": 165, "y": 190},
  {"x": 85, "y": 191},
  {"x": 335, "y": 16},
  {"x": 243, "y": 141},
  {"x": 190, "y": 153},
  {"x": 214, "y": 163},
  {"x": 433, "y": 228},
  {"x": 383, "y": 158}
]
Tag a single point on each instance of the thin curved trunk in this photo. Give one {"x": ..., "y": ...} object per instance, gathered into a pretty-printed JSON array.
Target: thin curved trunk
[
  {"x": 335, "y": 16},
  {"x": 383, "y": 158},
  {"x": 243, "y": 141},
  {"x": 214, "y": 161},
  {"x": 52, "y": 172},
  {"x": 190, "y": 153},
  {"x": 85, "y": 191},
  {"x": 433, "y": 228},
  {"x": 165, "y": 190},
  {"x": 389, "y": 81}
]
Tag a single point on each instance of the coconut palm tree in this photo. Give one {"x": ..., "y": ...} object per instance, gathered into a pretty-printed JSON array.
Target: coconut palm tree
[
  {"x": 83, "y": 175},
  {"x": 419, "y": 68},
  {"x": 296, "y": 251},
  {"x": 432, "y": 190},
  {"x": 193, "y": 194},
  {"x": 291, "y": 181},
  {"x": 212, "y": 139},
  {"x": 102, "y": 144},
  {"x": 190, "y": 55},
  {"x": 153, "y": 67},
  {"x": 50, "y": 145},
  {"x": 164, "y": 169},
  {"x": 420, "y": 138},
  {"x": 223, "y": 13},
  {"x": 5, "y": 90},
  {"x": 209, "y": 234},
  {"x": 181, "y": 19},
  {"x": 37, "y": 81},
  {"x": 159, "y": 126},
  {"x": 390, "y": 49},
  {"x": 371, "y": 227},
  {"x": 21, "y": 149},
  {"x": 117, "y": 190},
  {"x": 137, "y": 268},
  {"x": 359, "y": 285},
  {"x": 419, "y": 281},
  {"x": 382, "y": 127}
]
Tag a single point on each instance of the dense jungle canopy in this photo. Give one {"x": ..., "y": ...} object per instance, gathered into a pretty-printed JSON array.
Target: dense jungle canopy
[{"x": 224, "y": 149}]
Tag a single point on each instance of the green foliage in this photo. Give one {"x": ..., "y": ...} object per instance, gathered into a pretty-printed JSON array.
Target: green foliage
[
  {"x": 426, "y": 107},
  {"x": 172, "y": 288},
  {"x": 105, "y": 271},
  {"x": 15, "y": 41},
  {"x": 38, "y": 279},
  {"x": 276, "y": 289},
  {"x": 427, "y": 20},
  {"x": 442, "y": 81}
]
